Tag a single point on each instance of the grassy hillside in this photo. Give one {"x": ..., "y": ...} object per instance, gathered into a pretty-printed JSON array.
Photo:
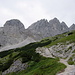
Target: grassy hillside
[
  {"x": 63, "y": 38},
  {"x": 47, "y": 66},
  {"x": 38, "y": 65}
]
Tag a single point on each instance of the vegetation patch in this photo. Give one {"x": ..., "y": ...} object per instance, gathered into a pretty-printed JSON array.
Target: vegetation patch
[
  {"x": 47, "y": 66},
  {"x": 71, "y": 61},
  {"x": 62, "y": 38},
  {"x": 73, "y": 51},
  {"x": 38, "y": 65}
]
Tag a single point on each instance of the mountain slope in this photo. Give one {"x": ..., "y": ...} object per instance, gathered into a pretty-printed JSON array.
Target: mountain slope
[
  {"x": 50, "y": 56},
  {"x": 72, "y": 27},
  {"x": 38, "y": 59},
  {"x": 64, "y": 48},
  {"x": 14, "y": 32},
  {"x": 47, "y": 29},
  {"x": 27, "y": 54},
  {"x": 21, "y": 44}
]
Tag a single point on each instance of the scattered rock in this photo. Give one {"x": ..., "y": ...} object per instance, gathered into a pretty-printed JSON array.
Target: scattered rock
[{"x": 15, "y": 67}]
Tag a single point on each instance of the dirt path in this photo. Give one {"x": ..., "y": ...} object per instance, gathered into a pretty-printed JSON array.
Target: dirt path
[{"x": 70, "y": 70}]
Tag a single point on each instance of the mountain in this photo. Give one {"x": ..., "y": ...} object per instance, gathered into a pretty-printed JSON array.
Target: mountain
[
  {"x": 45, "y": 48},
  {"x": 21, "y": 44},
  {"x": 14, "y": 28},
  {"x": 72, "y": 27},
  {"x": 57, "y": 27},
  {"x": 14, "y": 31},
  {"x": 41, "y": 27},
  {"x": 46, "y": 29},
  {"x": 51, "y": 56}
]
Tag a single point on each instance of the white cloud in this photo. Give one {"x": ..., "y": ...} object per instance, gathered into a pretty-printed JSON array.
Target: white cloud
[
  {"x": 32, "y": 11},
  {"x": 29, "y": 11}
]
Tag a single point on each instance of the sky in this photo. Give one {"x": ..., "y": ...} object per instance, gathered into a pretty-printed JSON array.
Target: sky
[{"x": 30, "y": 11}]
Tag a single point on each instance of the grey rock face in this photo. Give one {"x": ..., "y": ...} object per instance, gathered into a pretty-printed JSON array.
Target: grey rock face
[
  {"x": 47, "y": 29},
  {"x": 57, "y": 27},
  {"x": 14, "y": 26},
  {"x": 72, "y": 27},
  {"x": 41, "y": 28},
  {"x": 34, "y": 35},
  {"x": 3, "y": 38},
  {"x": 13, "y": 32},
  {"x": 15, "y": 67},
  {"x": 64, "y": 27},
  {"x": 21, "y": 44},
  {"x": 1, "y": 29},
  {"x": 59, "y": 50},
  {"x": 63, "y": 51}
]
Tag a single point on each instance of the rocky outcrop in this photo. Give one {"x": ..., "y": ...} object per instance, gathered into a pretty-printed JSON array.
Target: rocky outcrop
[
  {"x": 60, "y": 50},
  {"x": 14, "y": 29},
  {"x": 66, "y": 52},
  {"x": 47, "y": 29},
  {"x": 41, "y": 28},
  {"x": 14, "y": 35},
  {"x": 57, "y": 27},
  {"x": 15, "y": 67},
  {"x": 21, "y": 44},
  {"x": 64, "y": 27},
  {"x": 34, "y": 36},
  {"x": 13, "y": 32},
  {"x": 72, "y": 27}
]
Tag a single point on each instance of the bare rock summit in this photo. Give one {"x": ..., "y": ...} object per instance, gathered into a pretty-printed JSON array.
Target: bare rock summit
[
  {"x": 47, "y": 29},
  {"x": 72, "y": 27},
  {"x": 13, "y": 32}
]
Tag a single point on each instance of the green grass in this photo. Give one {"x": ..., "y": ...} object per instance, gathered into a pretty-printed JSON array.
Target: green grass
[
  {"x": 73, "y": 51},
  {"x": 47, "y": 66},
  {"x": 63, "y": 39},
  {"x": 38, "y": 65},
  {"x": 27, "y": 53},
  {"x": 71, "y": 61}
]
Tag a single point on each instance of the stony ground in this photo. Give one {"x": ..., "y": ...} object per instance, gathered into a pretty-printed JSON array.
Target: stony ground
[
  {"x": 70, "y": 70},
  {"x": 23, "y": 43},
  {"x": 62, "y": 51}
]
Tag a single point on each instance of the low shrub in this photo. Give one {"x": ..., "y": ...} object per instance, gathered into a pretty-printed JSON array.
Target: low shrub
[
  {"x": 7, "y": 64},
  {"x": 70, "y": 62}
]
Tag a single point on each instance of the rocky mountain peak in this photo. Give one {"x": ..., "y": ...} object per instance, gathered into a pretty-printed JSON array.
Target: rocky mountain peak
[
  {"x": 55, "y": 24},
  {"x": 40, "y": 27},
  {"x": 13, "y": 26},
  {"x": 55, "y": 20},
  {"x": 64, "y": 27},
  {"x": 43, "y": 20},
  {"x": 72, "y": 27},
  {"x": 13, "y": 32},
  {"x": 46, "y": 29},
  {"x": 40, "y": 23},
  {"x": 13, "y": 22},
  {"x": 63, "y": 23}
]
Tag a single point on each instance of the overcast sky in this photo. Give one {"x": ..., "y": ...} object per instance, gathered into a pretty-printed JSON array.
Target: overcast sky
[{"x": 29, "y": 11}]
